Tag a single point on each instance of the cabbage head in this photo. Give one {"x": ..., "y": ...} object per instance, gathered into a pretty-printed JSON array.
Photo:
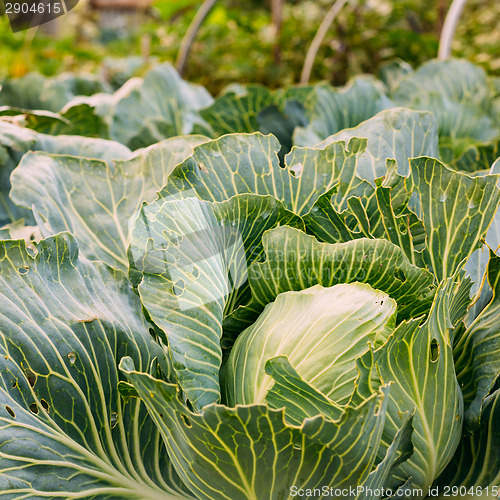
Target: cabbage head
[{"x": 322, "y": 331}]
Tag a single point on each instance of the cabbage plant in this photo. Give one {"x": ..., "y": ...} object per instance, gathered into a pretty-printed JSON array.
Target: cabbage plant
[{"x": 206, "y": 319}]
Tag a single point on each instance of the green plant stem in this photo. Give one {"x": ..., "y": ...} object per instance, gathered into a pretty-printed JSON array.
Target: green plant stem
[
  {"x": 277, "y": 16},
  {"x": 318, "y": 39},
  {"x": 190, "y": 35},
  {"x": 449, "y": 27}
]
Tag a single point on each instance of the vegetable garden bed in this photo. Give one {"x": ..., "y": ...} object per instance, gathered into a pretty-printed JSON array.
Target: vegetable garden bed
[{"x": 264, "y": 295}]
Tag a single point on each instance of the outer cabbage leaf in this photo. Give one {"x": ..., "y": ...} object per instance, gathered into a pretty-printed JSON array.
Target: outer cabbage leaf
[
  {"x": 140, "y": 113},
  {"x": 95, "y": 200},
  {"x": 18, "y": 230},
  {"x": 237, "y": 108},
  {"x": 353, "y": 211},
  {"x": 291, "y": 110},
  {"x": 302, "y": 401},
  {"x": 248, "y": 163},
  {"x": 457, "y": 80},
  {"x": 450, "y": 213},
  {"x": 39, "y": 120},
  {"x": 456, "y": 211},
  {"x": 299, "y": 398},
  {"x": 468, "y": 155},
  {"x": 15, "y": 141},
  {"x": 478, "y": 261},
  {"x": 458, "y": 94},
  {"x": 331, "y": 110},
  {"x": 400, "y": 450},
  {"x": 120, "y": 69},
  {"x": 37, "y": 92},
  {"x": 249, "y": 452},
  {"x": 345, "y": 213},
  {"x": 251, "y": 108},
  {"x": 295, "y": 261},
  {"x": 392, "y": 72},
  {"x": 476, "y": 463},
  {"x": 160, "y": 106},
  {"x": 418, "y": 360},
  {"x": 395, "y": 133},
  {"x": 64, "y": 430},
  {"x": 85, "y": 116},
  {"x": 192, "y": 256},
  {"x": 477, "y": 351},
  {"x": 88, "y": 115}
]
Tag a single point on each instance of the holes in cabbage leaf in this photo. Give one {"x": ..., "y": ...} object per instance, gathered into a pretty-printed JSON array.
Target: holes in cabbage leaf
[
  {"x": 297, "y": 446},
  {"x": 114, "y": 419},
  {"x": 400, "y": 275},
  {"x": 186, "y": 420},
  {"x": 178, "y": 288},
  {"x": 45, "y": 405},
  {"x": 72, "y": 358},
  {"x": 31, "y": 376},
  {"x": 296, "y": 169},
  {"x": 23, "y": 270},
  {"x": 34, "y": 408},
  {"x": 154, "y": 334},
  {"x": 14, "y": 384},
  {"x": 10, "y": 411},
  {"x": 434, "y": 350}
]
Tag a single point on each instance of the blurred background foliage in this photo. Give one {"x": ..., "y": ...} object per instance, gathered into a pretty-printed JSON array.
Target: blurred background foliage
[{"x": 237, "y": 41}]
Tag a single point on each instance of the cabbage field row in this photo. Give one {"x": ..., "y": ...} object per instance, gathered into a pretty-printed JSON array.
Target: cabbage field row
[{"x": 269, "y": 294}]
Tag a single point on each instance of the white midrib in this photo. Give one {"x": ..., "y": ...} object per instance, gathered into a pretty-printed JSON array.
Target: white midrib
[
  {"x": 431, "y": 464},
  {"x": 103, "y": 470}
]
